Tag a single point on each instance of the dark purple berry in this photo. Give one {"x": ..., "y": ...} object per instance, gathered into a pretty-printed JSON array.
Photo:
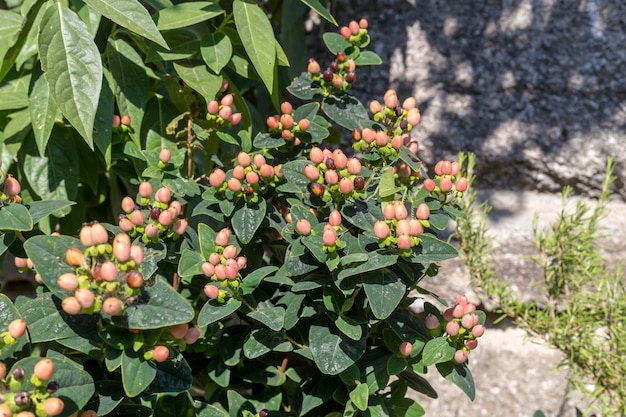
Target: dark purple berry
[
  {"x": 21, "y": 398},
  {"x": 327, "y": 75},
  {"x": 359, "y": 183},
  {"x": 248, "y": 190},
  {"x": 404, "y": 124},
  {"x": 334, "y": 66},
  {"x": 351, "y": 77},
  {"x": 155, "y": 212},
  {"x": 399, "y": 111},
  {"x": 18, "y": 373},
  {"x": 341, "y": 56},
  {"x": 52, "y": 387},
  {"x": 330, "y": 163}
]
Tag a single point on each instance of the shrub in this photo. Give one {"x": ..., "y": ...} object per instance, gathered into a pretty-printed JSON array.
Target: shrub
[{"x": 196, "y": 257}]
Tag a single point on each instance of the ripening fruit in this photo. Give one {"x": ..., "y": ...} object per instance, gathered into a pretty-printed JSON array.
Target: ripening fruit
[
  {"x": 128, "y": 204},
  {"x": 329, "y": 236},
  {"x": 445, "y": 184},
  {"x": 125, "y": 120},
  {"x": 12, "y": 186},
  {"x": 134, "y": 279},
  {"x": 457, "y": 311},
  {"x": 180, "y": 226},
  {"x": 334, "y": 218},
  {"x": 461, "y": 184},
  {"x": 208, "y": 269},
  {"x": 429, "y": 184},
  {"x": 345, "y": 185},
  {"x": 85, "y": 236},
  {"x": 230, "y": 252},
  {"x": 286, "y": 107},
  {"x": 303, "y": 226},
  {"x": 331, "y": 177},
  {"x": 222, "y": 237},
  {"x": 359, "y": 183},
  {"x": 389, "y": 212},
  {"x": 17, "y": 328},
  {"x": 462, "y": 300},
  {"x": 304, "y": 124},
  {"x": 243, "y": 159},
  {"x": 381, "y": 229},
  {"x": 478, "y": 330},
  {"x": 53, "y": 406},
  {"x": 74, "y": 257},
  {"x": 311, "y": 172},
  {"x": 467, "y": 321},
  {"x": 354, "y": 166},
  {"x": 317, "y": 189},
  {"x": 273, "y": 122},
  {"x": 452, "y": 328},
  {"x": 165, "y": 218},
  {"x": 454, "y": 168},
  {"x": 211, "y": 291},
  {"x": 405, "y": 348},
  {"x": 400, "y": 210},
  {"x": 220, "y": 272},
  {"x": 432, "y": 322},
  {"x": 227, "y": 100},
  {"x": 252, "y": 178},
  {"x": 403, "y": 227},
  {"x": 160, "y": 353},
  {"x": 151, "y": 230},
  {"x": 215, "y": 259},
  {"x": 404, "y": 242},
  {"x": 112, "y": 306},
  {"x": 163, "y": 195},
  {"x": 422, "y": 212},
  {"x": 5, "y": 411},
  {"x": 99, "y": 234},
  {"x": 192, "y": 335},
  {"x": 67, "y": 282},
  {"x": 413, "y": 116},
  {"x": 178, "y": 331},
  {"x": 108, "y": 271},
  {"x": 259, "y": 161},
  {"x": 121, "y": 247},
  {"x": 85, "y": 297},
  {"x": 89, "y": 413},
  {"x": 44, "y": 369},
  {"x": 71, "y": 306},
  {"x": 125, "y": 224},
  {"x": 217, "y": 178},
  {"x": 145, "y": 189},
  {"x": 313, "y": 67},
  {"x": 226, "y": 112},
  {"x": 381, "y": 138},
  {"x": 136, "y": 254},
  {"x": 460, "y": 356},
  {"x": 165, "y": 155},
  {"x": 471, "y": 344},
  {"x": 375, "y": 106},
  {"x": 416, "y": 228},
  {"x": 3, "y": 371}
]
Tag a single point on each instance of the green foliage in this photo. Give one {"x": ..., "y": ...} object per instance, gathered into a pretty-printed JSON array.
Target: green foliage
[
  {"x": 247, "y": 268},
  {"x": 585, "y": 299}
]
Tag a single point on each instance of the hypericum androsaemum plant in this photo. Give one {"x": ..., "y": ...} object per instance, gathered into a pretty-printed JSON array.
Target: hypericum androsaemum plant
[
  {"x": 197, "y": 254},
  {"x": 583, "y": 298}
]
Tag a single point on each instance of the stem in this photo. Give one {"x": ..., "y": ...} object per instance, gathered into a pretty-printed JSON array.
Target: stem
[
  {"x": 176, "y": 281},
  {"x": 20, "y": 236},
  {"x": 189, "y": 157}
]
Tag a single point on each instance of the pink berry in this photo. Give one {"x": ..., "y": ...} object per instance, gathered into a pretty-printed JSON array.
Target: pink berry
[
  {"x": 478, "y": 330},
  {"x": 345, "y": 32},
  {"x": 222, "y": 237},
  {"x": 467, "y": 320},
  {"x": 346, "y": 185},
  {"x": 429, "y": 184},
  {"x": 457, "y": 311},
  {"x": 445, "y": 184},
  {"x": 121, "y": 247},
  {"x": 286, "y": 107},
  {"x": 128, "y": 204},
  {"x": 112, "y": 306},
  {"x": 313, "y": 67},
  {"x": 85, "y": 236},
  {"x": 227, "y": 100},
  {"x": 99, "y": 234},
  {"x": 137, "y": 218},
  {"x": 108, "y": 271},
  {"x": 405, "y": 348},
  {"x": 234, "y": 185},
  {"x": 235, "y": 118},
  {"x": 447, "y": 314},
  {"x": 192, "y": 335},
  {"x": 397, "y": 142},
  {"x": 334, "y": 218},
  {"x": 145, "y": 189},
  {"x": 71, "y": 306},
  {"x": 165, "y": 155},
  {"x": 163, "y": 195},
  {"x": 452, "y": 328},
  {"x": 400, "y": 210},
  {"x": 329, "y": 236},
  {"x": 266, "y": 171},
  {"x": 471, "y": 344},
  {"x": 381, "y": 138},
  {"x": 273, "y": 122},
  {"x": 12, "y": 186},
  {"x": 226, "y": 112},
  {"x": 422, "y": 212},
  {"x": 208, "y": 269},
  {"x": 213, "y": 107},
  {"x": 136, "y": 254},
  {"x": 403, "y": 227},
  {"x": 211, "y": 291},
  {"x": 160, "y": 353},
  {"x": 67, "y": 282},
  {"x": 178, "y": 331},
  {"x": 230, "y": 252},
  {"x": 84, "y": 297},
  {"x": 316, "y": 155},
  {"x": 303, "y": 226},
  {"x": 416, "y": 228},
  {"x": 331, "y": 177},
  {"x": 354, "y": 166},
  {"x": 381, "y": 229},
  {"x": 220, "y": 271},
  {"x": 17, "y": 328},
  {"x": 304, "y": 124},
  {"x": 413, "y": 117},
  {"x": 214, "y": 259},
  {"x": 244, "y": 159},
  {"x": 180, "y": 226},
  {"x": 460, "y": 356},
  {"x": 461, "y": 184},
  {"x": 432, "y": 322},
  {"x": 462, "y": 300},
  {"x": 404, "y": 242},
  {"x": 375, "y": 106},
  {"x": 252, "y": 178},
  {"x": 311, "y": 172}
]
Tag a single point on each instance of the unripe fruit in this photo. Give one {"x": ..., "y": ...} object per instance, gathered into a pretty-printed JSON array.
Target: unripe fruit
[
  {"x": 437, "y": 168},
  {"x": 404, "y": 242},
  {"x": 222, "y": 237},
  {"x": 230, "y": 252},
  {"x": 227, "y": 100},
  {"x": 452, "y": 328},
  {"x": 178, "y": 331},
  {"x": 231, "y": 270},
  {"x": 116, "y": 121},
  {"x": 3, "y": 370},
  {"x": 220, "y": 272},
  {"x": 112, "y": 306},
  {"x": 331, "y": 177},
  {"x": 160, "y": 353},
  {"x": 471, "y": 344},
  {"x": 226, "y": 112},
  {"x": 163, "y": 195},
  {"x": 136, "y": 254},
  {"x": 381, "y": 138},
  {"x": 259, "y": 161},
  {"x": 446, "y": 167},
  {"x": 214, "y": 259},
  {"x": 341, "y": 160},
  {"x": 316, "y": 155},
  {"x": 337, "y": 81},
  {"x": 457, "y": 311},
  {"x": 432, "y": 322},
  {"x": 400, "y": 210},
  {"x": 152, "y": 230},
  {"x": 252, "y": 178},
  {"x": 67, "y": 282},
  {"x": 145, "y": 189},
  {"x": 354, "y": 166},
  {"x": 74, "y": 257},
  {"x": 345, "y": 185},
  {"x": 21, "y": 262},
  {"x": 354, "y": 27},
  {"x": 192, "y": 336},
  {"x": 12, "y": 186},
  {"x": 234, "y": 185},
  {"x": 243, "y": 159},
  {"x": 345, "y": 32},
  {"x": 416, "y": 228},
  {"x": 211, "y": 291},
  {"x": 165, "y": 155},
  {"x": 213, "y": 107},
  {"x": 422, "y": 212},
  {"x": 239, "y": 172},
  {"x": 17, "y": 328},
  {"x": 273, "y": 122},
  {"x": 208, "y": 269},
  {"x": 121, "y": 247},
  {"x": 389, "y": 212},
  {"x": 329, "y": 236},
  {"x": 409, "y": 103},
  {"x": 266, "y": 171},
  {"x": 391, "y": 100},
  {"x": 85, "y": 236},
  {"x": 311, "y": 172},
  {"x": 404, "y": 171},
  {"x": 217, "y": 178},
  {"x": 125, "y": 224},
  {"x": 128, "y": 204},
  {"x": 462, "y": 300},
  {"x": 125, "y": 120},
  {"x": 460, "y": 356},
  {"x": 375, "y": 106},
  {"x": 134, "y": 279},
  {"x": 368, "y": 135},
  {"x": 313, "y": 67},
  {"x": 381, "y": 229},
  {"x": 334, "y": 218},
  {"x": 287, "y": 135},
  {"x": 286, "y": 107},
  {"x": 413, "y": 117},
  {"x": 71, "y": 305},
  {"x": 303, "y": 226},
  {"x": 363, "y": 23},
  {"x": 304, "y": 124},
  {"x": 235, "y": 118},
  {"x": 478, "y": 330},
  {"x": 461, "y": 184},
  {"x": 44, "y": 369},
  {"x": 445, "y": 184},
  {"x": 403, "y": 227},
  {"x": 53, "y": 406},
  {"x": 397, "y": 142},
  {"x": 85, "y": 297},
  {"x": 468, "y": 308},
  {"x": 108, "y": 271},
  {"x": 413, "y": 147},
  {"x": 99, "y": 234},
  {"x": 405, "y": 348},
  {"x": 467, "y": 321},
  {"x": 137, "y": 218},
  {"x": 180, "y": 226},
  {"x": 165, "y": 218}
]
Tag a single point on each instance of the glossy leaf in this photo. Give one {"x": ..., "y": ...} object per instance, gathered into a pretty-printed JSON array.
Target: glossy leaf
[
  {"x": 375, "y": 262},
  {"x": 257, "y": 37},
  {"x": 247, "y": 220},
  {"x": 104, "y": 115},
  {"x": 251, "y": 281},
  {"x": 43, "y": 110},
  {"x": 190, "y": 264},
  {"x": 262, "y": 341},
  {"x": 213, "y": 311},
  {"x": 216, "y": 50},
  {"x": 460, "y": 375},
  {"x": 72, "y": 66},
  {"x": 359, "y": 396},
  {"x": 15, "y": 217},
  {"x": 418, "y": 383},
  {"x": 41, "y": 209},
  {"x": 196, "y": 75},
  {"x": 10, "y": 353},
  {"x": 137, "y": 373},
  {"x": 432, "y": 249},
  {"x": 48, "y": 255},
  {"x": 320, "y": 9},
  {"x": 346, "y": 110},
  {"x": 438, "y": 350},
  {"x": 130, "y": 14},
  {"x": 332, "y": 351},
  {"x": 384, "y": 290},
  {"x": 272, "y": 317},
  {"x": 335, "y": 42},
  {"x": 186, "y": 14},
  {"x": 368, "y": 58},
  {"x": 173, "y": 375}
]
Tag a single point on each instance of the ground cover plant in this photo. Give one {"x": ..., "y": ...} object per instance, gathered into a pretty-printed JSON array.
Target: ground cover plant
[{"x": 200, "y": 246}]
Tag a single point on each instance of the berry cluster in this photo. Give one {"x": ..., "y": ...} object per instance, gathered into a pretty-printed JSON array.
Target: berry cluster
[
  {"x": 339, "y": 75},
  {"x": 398, "y": 230},
  {"x": 152, "y": 218},
  {"x": 17, "y": 329},
  {"x": 38, "y": 400},
  {"x": 447, "y": 181},
  {"x": 221, "y": 114},
  {"x": 356, "y": 33},
  {"x": 223, "y": 266},
  {"x": 179, "y": 335},
  {"x": 333, "y": 176},
  {"x": 461, "y": 324},
  {"x": 105, "y": 276},
  {"x": 10, "y": 190},
  {"x": 285, "y": 125},
  {"x": 252, "y": 175},
  {"x": 121, "y": 125}
]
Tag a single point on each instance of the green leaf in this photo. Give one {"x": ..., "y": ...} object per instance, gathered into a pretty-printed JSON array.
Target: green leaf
[
  {"x": 320, "y": 9},
  {"x": 42, "y": 209},
  {"x": 183, "y": 43},
  {"x": 335, "y": 42},
  {"x": 349, "y": 327},
  {"x": 10, "y": 24},
  {"x": 10, "y": 353},
  {"x": 53, "y": 176},
  {"x": 375, "y": 262},
  {"x": 384, "y": 290},
  {"x": 269, "y": 376},
  {"x": 362, "y": 214},
  {"x": 130, "y": 14},
  {"x": 213, "y": 311},
  {"x": 438, "y": 350},
  {"x": 247, "y": 220},
  {"x": 257, "y": 37},
  {"x": 272, "y": 317},
  {"x": 460, "y": 375},
  {"x": 159, "y": 305},
  {"x": 216, "y": 50},
  {"x": 72, "y": 66},
  {"x": 347, "y": 111},
  {"x": 102, "y": 126},
  {"x": 48, "y": 255},
  {"x": 196, "y": 75},
  {"x": 186, "y": 14},
  {"x": 190, "y": 263},
  {"x": 14, "y": 94},
  {"x": 43, "y": 110},
  {"x": 262, "y": 341},
  {"x": 418, "y": 383},
  {"x": 432, "y": 249},
  {"x": 368, "y": 58},
  {"x": 75, "y": 385},
  {"x": 332, "y": 351},
  {"x": 15, "y": 217},
  {"x": 131, "y": 83},
  {"x": 302, "y": 87},
  {"x": 173, "y": 375},
  {"x": 208, "y": 410},
  {"x": 359, "y": 396},
  {"x": 173, "y": 406},
  {"x": 251, "y": 281},
  {"x": 313, "y": 393},
  {"x": 137, "y": 373}
]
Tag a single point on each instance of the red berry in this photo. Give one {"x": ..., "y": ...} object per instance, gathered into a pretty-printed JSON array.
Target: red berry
[
  {"x": 363, "y": 23},
  {"x": 359, "y": 183},
  {"x": 44, "y": 369},
  {"x": 112, "y": 306},
  {"x": 160, "y": 353},
  {"x": 287, "y": 135},
  {"x": 354, "y": 27},
  {"x": 235, "y": 118},
  {"x": 17, "y": 328},
  {"x": 351, "y": 77},
  {"x": 134, "y": 279},
  {"x": 405, "y": 348},
  {"x": 438, "y": 169},
  {"x": 432, "y": 322}
]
